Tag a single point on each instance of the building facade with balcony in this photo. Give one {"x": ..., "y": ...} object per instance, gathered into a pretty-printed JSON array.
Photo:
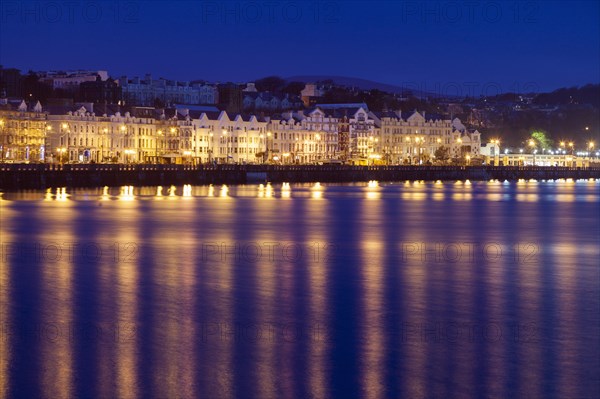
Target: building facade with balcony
[
  {"x": 414, "y": 138},
  {"x": 83, "y": 136},
  {"x": 22, "y": 133},
  {"x": 219, "y": 137},
  {"x": 304, "y": 137}
]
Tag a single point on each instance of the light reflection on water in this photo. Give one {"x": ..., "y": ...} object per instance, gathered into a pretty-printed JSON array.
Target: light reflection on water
[{"x": 414, "y": 289}]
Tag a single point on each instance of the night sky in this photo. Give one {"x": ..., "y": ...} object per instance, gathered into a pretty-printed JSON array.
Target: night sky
[{"x": 485, "y": 46}]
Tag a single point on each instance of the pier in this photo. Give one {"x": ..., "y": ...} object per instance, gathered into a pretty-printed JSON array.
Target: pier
[{"x": 40, "y": 176}]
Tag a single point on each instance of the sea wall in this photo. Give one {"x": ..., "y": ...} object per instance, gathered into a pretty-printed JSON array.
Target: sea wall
[{"x": 38, "y": 176}]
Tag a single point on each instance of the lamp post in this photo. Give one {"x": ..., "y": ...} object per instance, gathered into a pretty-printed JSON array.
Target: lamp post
[
  {"x": 459, "y": 142},
  {"x": 172, "y": 141},
  {"x": 188, "y": 155},
  {"x": 61, "y": 152},
  {"x": 104, "y": 138},
  {"x": 128, "y": 153},
  {"x": 124, "y": 140},
  {"x": 210, "y": 148},
  {"x": 260, "y": 143},
  {"x": 64, "y": 130},
  {"x": 533, "y": 150},
  {"x": 224, "y": 134},
  {"x": 158, "y": 135},
  {"x": 2, "y": 140},
  {"x": 268, "y": 147},
  {"x": 318, "y": 144},
  {"x": 496, "y": 143}
]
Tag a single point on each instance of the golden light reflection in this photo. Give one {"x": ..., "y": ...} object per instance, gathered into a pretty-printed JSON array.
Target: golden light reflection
[
  {"x": 318, "y": 266},
  {"x": 373, "y": 190},
  {"x": 57, "y": 290},
  {"x": 566, "y": 197},
  {"x": 286, "y": 191},
  {"x": 48, "y": 195},
  {"x": 5, "y": 300},
  {"x": 462, "y": 196},
  {"x": 61, "y": 194},
  {"x": 527, "y": 197},
  {"x": 224, "y": 191},
  {"x": 373, "y": 195},
  {"x": 414, "y": 274},
  {"x": 159, "y": 191},
  {"x": 269, "y": 191},
  {"x": 172, "y": 191},
  {"x": 176, "y": 271},
  {"x": 187, "y": 191},
  {"x": 373, "y": 345},
  {"x": 494, "y": 197},
  {"x": 126, "y": 193},
  {"x": 414, "y": 196},
  {"x": 438, "y": 196},
  {"x": 211, "y": 191},
  {"x": 317, "y": 191},
  {"x": 105, "y": 195},
  {"x": 529, "y": 295},
  {"x": 127, "y": 253},
  {"x": 568, "y": 309}
]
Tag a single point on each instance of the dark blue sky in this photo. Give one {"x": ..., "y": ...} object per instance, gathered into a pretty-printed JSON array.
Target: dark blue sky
[{"x": 446, "y": 46}]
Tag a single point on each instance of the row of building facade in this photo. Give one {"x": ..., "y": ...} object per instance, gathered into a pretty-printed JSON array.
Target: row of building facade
[{"x": 327, "y": 132}]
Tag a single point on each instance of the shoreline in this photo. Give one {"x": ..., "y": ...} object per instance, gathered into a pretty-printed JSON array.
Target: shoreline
[{"x": 42, "y": 176}]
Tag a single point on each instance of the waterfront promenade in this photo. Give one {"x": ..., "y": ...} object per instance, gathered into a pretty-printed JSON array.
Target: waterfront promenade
[{"x": 37, "y": 176}]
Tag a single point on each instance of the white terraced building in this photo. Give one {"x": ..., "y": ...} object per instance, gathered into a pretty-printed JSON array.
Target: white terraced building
[{"x": 201, "y": 134}]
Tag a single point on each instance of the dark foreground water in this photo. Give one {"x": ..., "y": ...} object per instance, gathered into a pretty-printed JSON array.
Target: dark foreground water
[{"x": 412, "y": 290}]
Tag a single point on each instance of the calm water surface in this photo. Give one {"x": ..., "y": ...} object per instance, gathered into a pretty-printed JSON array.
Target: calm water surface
[{"x": 416, "y": 290}]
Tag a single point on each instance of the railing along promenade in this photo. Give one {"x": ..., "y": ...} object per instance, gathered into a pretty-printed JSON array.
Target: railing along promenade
[{"x": 38, "y": 176}]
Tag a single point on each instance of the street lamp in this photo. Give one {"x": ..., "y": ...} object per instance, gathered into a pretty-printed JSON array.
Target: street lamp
[
  {"x": 269, "y": 149},
  {"x": 188, "y": 154},
  {"x": 572, "y": 145},
  {"x": 417, "y": 140},
  {"x": 128, "y": 152},
  {"x": 61, "y": 152},
  {"x": 2, "y": 140},
  {"x": 261, "y": 136},
  {"x": 46, "y": 142},
  {"x": 459, "y": 141},
  {"x": 532, "y": 145},
  {"x": 210, "y": 148},
  {"x": 224, "y": 132},
  {"x": 158, "y": 134},
  {"x": 65, "y": 132},
  {"x": 318, "y": 137}
]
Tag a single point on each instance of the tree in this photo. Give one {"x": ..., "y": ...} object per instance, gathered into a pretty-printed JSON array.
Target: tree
[
  {"x": 542, "y": 140},
  {"x": 442, "y": 153}
]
